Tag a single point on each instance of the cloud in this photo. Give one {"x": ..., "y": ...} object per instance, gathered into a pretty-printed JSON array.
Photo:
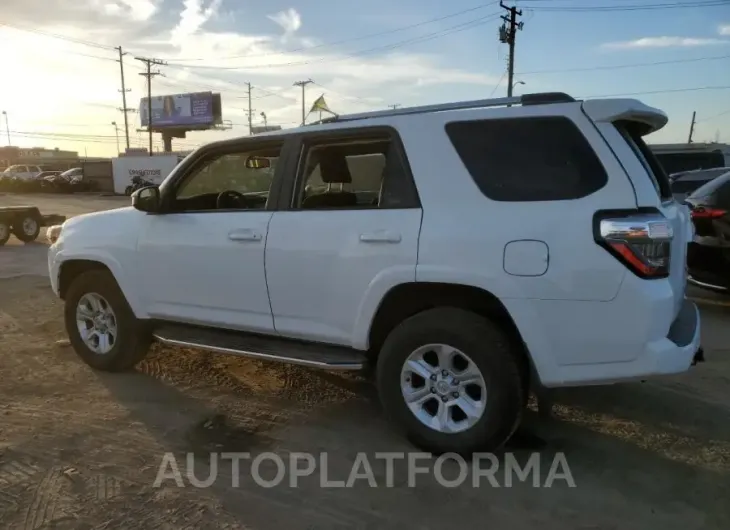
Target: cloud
[
  {"x": 204, "y": 52},
  {"x": 193, "y": 17},
  {"x": 663, "y": 42},
  {"x": 724, "y": 29},
  {"x": 289, "y": 20}
]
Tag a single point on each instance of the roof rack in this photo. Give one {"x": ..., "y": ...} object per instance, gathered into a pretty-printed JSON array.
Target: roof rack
[{"x": 540, "y": 98}]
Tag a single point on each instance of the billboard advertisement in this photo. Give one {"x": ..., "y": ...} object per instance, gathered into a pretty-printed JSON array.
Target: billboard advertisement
[{"x": 182, "y": 110}]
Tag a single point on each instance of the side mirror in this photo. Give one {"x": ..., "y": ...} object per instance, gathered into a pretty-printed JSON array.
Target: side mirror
[
  {"x": 147, "y": 199},
  {"x": 257, "y": 162}
]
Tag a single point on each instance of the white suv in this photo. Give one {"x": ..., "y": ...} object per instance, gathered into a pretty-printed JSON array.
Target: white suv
[{"x": 471, "y": 251}]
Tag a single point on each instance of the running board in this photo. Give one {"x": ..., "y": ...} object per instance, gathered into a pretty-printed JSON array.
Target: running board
[{"x": 261, "y": 347}]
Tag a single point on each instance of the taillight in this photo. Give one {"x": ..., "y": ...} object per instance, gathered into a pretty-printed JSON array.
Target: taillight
[
  {"x": 702, "y": 212},
  {"x": 643, "y": 242}
]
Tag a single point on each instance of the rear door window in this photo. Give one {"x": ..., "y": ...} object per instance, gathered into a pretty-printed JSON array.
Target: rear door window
[{"x": 528, "y": 159}]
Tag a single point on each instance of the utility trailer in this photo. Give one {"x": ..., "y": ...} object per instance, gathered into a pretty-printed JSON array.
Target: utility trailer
[{"x": 24, "y": 222}]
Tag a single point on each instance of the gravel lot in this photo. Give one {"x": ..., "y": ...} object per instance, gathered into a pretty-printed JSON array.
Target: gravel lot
[{"x": 81, "y": 449}]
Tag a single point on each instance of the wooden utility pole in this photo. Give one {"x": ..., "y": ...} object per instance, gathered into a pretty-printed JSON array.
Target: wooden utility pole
[
  {"x": 250, "y": 111},
  {"x": 692, "y": 126},
  {"x": 303, "y": 84},
  {"x": 124, "y": 91},
  {"x": 149, "y": 74},
  {"x": 507, "y": 35}
]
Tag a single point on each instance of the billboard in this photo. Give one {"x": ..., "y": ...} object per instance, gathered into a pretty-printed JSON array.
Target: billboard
[{"x": 196, "y": 110}]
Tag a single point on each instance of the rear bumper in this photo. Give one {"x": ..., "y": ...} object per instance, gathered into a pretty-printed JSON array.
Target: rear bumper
[{"x": 585, "y": 343}]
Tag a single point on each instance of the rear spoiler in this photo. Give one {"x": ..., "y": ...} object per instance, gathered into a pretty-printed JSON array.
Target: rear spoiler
[{"x": 612, "y": 110}]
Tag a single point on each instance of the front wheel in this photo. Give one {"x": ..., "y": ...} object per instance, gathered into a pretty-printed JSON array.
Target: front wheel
[
  {"x": 451, "y": 381},
  {"x": 100, "y": 324}
]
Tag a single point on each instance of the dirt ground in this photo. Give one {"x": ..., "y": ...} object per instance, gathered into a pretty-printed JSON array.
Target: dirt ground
[{"x": 81, "y": 449}]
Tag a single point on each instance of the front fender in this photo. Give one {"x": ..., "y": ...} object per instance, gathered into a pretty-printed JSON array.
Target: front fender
[{"x": 122, "y": 277}]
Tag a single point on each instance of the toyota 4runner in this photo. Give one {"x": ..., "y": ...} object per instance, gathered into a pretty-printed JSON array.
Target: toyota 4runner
[{"x": 469, "y": 251}]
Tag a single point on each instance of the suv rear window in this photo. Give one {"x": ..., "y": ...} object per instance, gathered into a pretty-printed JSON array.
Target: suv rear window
[{"x": 528, "y": 159}]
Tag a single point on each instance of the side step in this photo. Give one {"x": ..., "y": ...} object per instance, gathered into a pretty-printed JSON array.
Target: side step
[{"x": 261, "y": 347}]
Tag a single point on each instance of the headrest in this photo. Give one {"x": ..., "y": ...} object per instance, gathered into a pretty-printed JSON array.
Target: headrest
[{"x": 333, "y": 167}]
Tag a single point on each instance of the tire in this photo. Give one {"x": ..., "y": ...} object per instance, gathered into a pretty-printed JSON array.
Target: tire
[
  {"x": 133, "y": 337},
  {"x": 4, "y": 232},
  {"x": 27, "y": 227},
  {"x": 490, "y": 351}
]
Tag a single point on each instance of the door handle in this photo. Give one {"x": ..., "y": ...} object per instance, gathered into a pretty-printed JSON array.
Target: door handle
[
  {"x": 244, "y": 235},
  {"x": 380, "y": 237}
]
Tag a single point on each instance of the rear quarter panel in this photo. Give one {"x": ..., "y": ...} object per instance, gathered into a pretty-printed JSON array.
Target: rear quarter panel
[{"x": 464, "y": 233}]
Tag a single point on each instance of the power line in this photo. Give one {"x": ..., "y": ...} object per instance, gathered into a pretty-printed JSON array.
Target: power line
[
  {"x": 353, "y": 39},
  {"x": 666, "y": 91},
  {"x": 498, "y": 83},
  {"x": 341, "y": 94},
  {"x": 635, "y": 7},
  {"x": 619, "y": 66},
  {"x": 724, "y": 113},
  {"x": 60, "y": 37},
  {"x": 416, "y": 40}
]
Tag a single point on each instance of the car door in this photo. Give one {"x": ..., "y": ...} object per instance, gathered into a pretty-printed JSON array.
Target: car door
[
  {"x": 347, "y": 233},
  {"x": 202, "y": 260}
]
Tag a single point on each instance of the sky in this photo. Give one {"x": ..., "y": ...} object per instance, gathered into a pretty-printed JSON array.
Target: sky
[{"x": 60, "y": 82}]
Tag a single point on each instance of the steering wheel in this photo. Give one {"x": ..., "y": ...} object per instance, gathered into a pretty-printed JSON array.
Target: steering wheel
[{"x": 231, "y": 199}]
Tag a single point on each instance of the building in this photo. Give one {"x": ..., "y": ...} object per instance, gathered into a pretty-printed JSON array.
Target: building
[{"x": 48, "y": 159}]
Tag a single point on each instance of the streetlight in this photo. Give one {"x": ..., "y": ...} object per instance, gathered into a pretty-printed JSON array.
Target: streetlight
[
  {"x": 7, "y": 126},
  {"x": 116, "y": 130},
  {"x": 263, "y": 115},
  {"x": 517, "y": 83}
]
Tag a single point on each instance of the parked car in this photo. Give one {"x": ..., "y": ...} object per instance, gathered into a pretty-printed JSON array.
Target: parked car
[
  {"x": 67, "y": 182},
  {"x": 686, "y": 182},
  {"x": 708, "y": 257},
  {"x": 22, "y": 171},
  {"x": 508, "y": 240},
  {"x": 44, "y": 174}
]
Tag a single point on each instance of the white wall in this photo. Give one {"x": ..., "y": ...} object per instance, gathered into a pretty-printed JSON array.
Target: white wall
[{"x": 151, "y": 168}]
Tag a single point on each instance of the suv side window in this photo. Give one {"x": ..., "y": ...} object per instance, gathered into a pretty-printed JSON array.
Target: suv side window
[
  {"x": 239, "y": 180},
  {"x": 528, "y": 159},
  {"x": 355, "y": 173}
]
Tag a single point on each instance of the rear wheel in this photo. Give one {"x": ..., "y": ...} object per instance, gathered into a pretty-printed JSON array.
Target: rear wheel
[
  {"x": 451, "y": 381},
  {"x": 27, "y": 227},
  {"x": 4, "y": 232},
  {"x": 100, "y": 324}
]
